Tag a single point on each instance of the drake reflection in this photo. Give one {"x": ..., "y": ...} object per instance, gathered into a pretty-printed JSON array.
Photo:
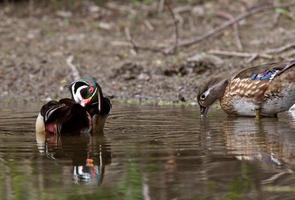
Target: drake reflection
[{"x": 87, "y": 154}]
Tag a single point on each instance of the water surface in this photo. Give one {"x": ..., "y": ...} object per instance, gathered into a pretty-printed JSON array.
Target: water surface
[{"x": 150, "y": 152}]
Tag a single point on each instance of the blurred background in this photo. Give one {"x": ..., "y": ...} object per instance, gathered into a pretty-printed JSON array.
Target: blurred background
[
  {"x": 139, "y": 50},
  {"x": 150, "y": 51}
]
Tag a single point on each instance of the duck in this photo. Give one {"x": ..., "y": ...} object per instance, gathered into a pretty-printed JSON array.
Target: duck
[
  {"x": 88, "y": 93},
  {"x": 259, "y": 91},
  {"x": 63, "y": 117}
]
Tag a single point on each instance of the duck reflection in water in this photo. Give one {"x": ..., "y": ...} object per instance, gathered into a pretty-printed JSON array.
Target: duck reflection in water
[
  {"x": 271, "y": 142},
  {"x": 88, "y": 155}
]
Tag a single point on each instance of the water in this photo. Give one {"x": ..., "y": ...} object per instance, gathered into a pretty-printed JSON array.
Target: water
[{"x": 150, "y": 153}]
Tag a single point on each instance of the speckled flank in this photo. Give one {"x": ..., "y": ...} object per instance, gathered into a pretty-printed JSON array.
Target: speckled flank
[{"x": 243, "y": 96}]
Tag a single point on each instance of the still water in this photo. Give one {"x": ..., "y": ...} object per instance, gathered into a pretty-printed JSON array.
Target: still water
[{"x": 150, "y": 152}]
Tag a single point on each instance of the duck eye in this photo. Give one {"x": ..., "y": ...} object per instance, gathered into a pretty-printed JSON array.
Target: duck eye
[
  {"x": 203, "y": 96},
  {"x": 84, "y": 93},
  {"x": 91, "y": 89}
]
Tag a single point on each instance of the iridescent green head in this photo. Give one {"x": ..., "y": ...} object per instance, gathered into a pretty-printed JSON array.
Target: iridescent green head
[{"x": 85, "y": 91}]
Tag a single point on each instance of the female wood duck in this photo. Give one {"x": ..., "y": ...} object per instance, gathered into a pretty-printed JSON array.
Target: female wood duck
[
  {"x": 63, "y": 117},
  {"x": 88, "y": 93},
  {"x": 256, "y": 91}
]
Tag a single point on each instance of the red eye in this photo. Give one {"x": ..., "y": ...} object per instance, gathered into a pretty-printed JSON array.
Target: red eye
[{"x": 91, "y": 89}]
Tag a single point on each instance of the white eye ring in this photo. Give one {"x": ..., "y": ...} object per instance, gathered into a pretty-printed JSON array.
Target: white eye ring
[{"x": 202, "y": 97}]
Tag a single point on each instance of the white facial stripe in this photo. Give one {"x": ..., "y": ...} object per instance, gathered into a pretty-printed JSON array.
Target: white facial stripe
[
  {"x": 207, "y": 92},
  {"x": 99, "y": 101},
  {"x": 74, "y": 94},
  {"x": 78, "y": 94},
  {"x": 93, "y": 93}
]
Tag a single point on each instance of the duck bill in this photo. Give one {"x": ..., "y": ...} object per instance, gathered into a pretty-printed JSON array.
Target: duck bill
[{"x": 203, "y": 111}]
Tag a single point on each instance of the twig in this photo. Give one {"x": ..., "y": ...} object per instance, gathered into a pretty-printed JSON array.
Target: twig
[
  {"x": 151, "y": 49},
  {"x": 129, "y": 38},
  {"x": 289, "y": 55},
  {"x": 195, "y": 40},
  {"x": 251, "y": 56},
  {"x": 148, "y": 25},
  {"x": 277, "y": 14},
  {"x": 251, "y": 59},
  {"x": 281, "y": 49},
  {"x": 120, "y": 43},
  {"x": 267, "y": 54},
  {"x": 75, "y": 72},
  {"x": 182, "y": 9},
  {"x": 235, "y": 27},
  {"x": 176, "y": 31},
  {"x": 137, "y": 47},
  {"x": 161, "y": 6},
  {"x": 240, "y": 54},
  {"x": 276, "y": 18},
  {"x": 127, "y": 44}
]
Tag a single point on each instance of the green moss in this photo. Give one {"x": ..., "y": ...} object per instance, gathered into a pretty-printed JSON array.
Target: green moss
[{"x": 241, "y": 185}]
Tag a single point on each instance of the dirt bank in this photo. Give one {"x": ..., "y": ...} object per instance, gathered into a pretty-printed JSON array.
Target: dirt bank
[{"x": 36, "y": 41}]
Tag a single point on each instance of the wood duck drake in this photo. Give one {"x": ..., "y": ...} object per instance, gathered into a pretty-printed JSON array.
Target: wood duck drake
[
  {"x": 88, "y": 93},
  {"x": 264, "y": 90},
  {"x": 63, "y": 117}
]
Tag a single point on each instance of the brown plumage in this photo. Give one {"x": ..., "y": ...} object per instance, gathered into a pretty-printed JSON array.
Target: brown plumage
[{"x": 246, "y": 96}]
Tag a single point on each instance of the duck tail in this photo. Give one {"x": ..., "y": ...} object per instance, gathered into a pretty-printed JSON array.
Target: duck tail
[{"x": 287, "y": 67}]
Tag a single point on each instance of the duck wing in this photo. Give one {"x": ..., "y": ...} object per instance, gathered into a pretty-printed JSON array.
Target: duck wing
[
  {"x": 270, "y": 81},
  {"x": 248, "y": 72},
  {"x": 68, "y": 115},
  {"x": 52, "y": 110}
]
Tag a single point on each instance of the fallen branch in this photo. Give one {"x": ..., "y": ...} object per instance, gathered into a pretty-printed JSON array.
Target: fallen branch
[
  {"x": 129, "y": 38},
  {"x": 75, "y": 72},
  {"x": 176, "y": 31},
  {"x": 281, "y": 49},
  {"x": 182, "y": 9},
  {"x": 195, "y": 40},
  {"x": 267, "y": 54},
  {"x": 161, "y": 5},
  {"x": 251, "y": 56},
  {"x": 240, "y": 54},
  {"x": 289, "y": 55},
  {"x": 235, "y": 27},
  {"x": 148, "y": 24},
  {"x": 137, "y": 47},
  {"x": 251, "y": 59},
  {"x": 173, "y": 49}
]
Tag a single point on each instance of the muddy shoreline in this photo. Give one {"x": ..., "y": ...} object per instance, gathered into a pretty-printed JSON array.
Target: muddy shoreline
[{"x": 36, "y": 44}]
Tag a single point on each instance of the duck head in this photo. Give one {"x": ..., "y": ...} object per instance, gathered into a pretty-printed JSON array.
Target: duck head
[
  {"x": 85, "y": 91},
  {"x": 209, "y": 93},
  {"x": 88, "y": 93}
]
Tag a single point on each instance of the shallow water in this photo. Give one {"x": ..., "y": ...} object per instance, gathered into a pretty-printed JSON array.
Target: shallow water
[{"x": 150, "y": 152}]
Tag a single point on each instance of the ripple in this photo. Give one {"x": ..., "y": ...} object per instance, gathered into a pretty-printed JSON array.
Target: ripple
[{"x": 168, "y": 147}]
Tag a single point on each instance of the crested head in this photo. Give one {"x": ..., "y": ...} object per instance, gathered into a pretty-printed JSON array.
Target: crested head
[
  {"x": 210, "y": 92},
  {"x": 85, "y": 91}
]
